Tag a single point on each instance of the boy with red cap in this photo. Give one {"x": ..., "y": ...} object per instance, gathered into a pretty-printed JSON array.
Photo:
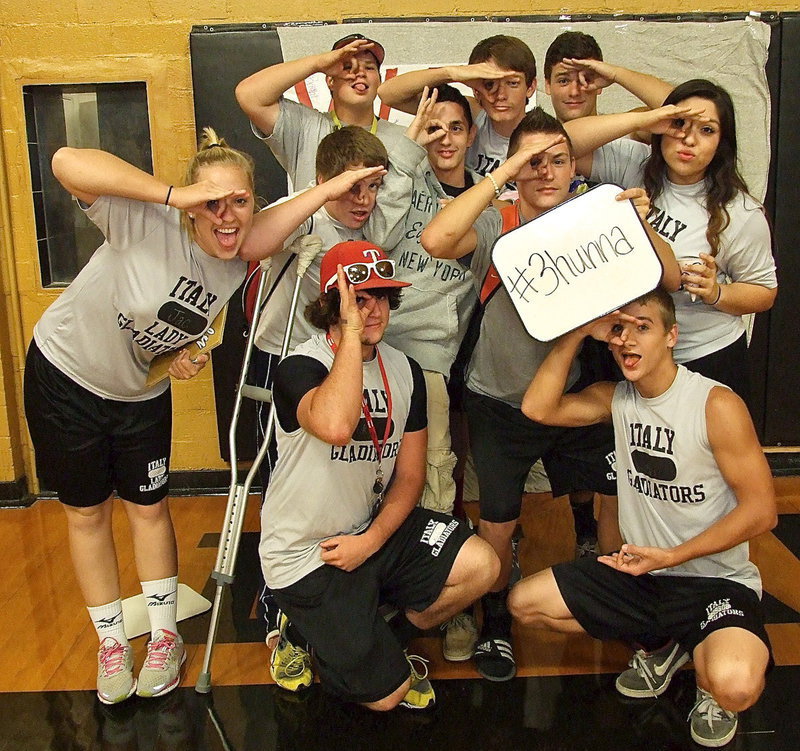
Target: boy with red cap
[{"x": 340, "y": 531}]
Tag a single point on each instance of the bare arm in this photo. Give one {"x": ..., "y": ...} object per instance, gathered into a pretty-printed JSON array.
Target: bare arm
[
  {"x": 450, "y": 233},
  {"x": 350, "y": 551},
  {"x": 90, "y": 173},
  {"x": 596, "y": 74},
  {"x": 588, "y": 134},
  {"x": 545, "y": 400},
  {"x": 742, "y": 463},
  {"x": 736, "y": 298},
  {"x": 272, "y": 226},
  {"x": 331, "y": 411},
  {"x": 259, "y": 95},
  {"x": 741, "y": 298},
  {"x": 404, "y": 92}
]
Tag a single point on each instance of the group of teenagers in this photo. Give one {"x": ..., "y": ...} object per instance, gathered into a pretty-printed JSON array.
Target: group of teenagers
[{"x": 404, "y": 329}]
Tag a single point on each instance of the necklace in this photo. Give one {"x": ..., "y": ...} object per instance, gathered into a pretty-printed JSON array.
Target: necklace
[
  {"x": 378, "y": 486},
  {"x": 338, "y": 123}
]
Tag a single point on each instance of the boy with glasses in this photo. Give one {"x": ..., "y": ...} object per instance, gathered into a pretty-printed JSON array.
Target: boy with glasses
[{"x": 340, "y": 531}]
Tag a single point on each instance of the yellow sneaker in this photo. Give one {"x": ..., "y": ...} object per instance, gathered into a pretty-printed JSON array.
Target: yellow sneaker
[
  {"x": 420, "y": 695},
  {"x": 290, "y": 665}
]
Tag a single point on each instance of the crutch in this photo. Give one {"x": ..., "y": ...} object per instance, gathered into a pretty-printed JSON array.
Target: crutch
[{"x": 306, "y": 247}]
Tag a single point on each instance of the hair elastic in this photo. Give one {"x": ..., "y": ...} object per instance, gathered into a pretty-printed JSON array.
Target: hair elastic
[{"x": 169, "y": 193}]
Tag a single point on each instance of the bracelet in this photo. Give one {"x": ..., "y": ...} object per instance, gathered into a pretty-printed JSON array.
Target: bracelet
[
  {"x": 497, "y": 191},
  {"x": 169, "y": 193},
  {"x": 719, "y": 294}
]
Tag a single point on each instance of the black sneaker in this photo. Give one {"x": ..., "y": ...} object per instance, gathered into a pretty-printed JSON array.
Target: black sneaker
[{"x": 494, "y": 656}]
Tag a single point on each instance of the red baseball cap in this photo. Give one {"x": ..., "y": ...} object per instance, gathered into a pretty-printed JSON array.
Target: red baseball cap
[
  {"x": 365, "y": 265},
  {"x": 377, "y": 48}
]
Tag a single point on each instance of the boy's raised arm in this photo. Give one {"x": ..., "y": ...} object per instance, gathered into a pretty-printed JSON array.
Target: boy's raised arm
[
  {"x": 259, "y": 95},
  {"x": 545, "y": 400}
]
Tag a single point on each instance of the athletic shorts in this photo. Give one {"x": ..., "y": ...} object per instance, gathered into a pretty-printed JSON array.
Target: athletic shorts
[
  {"x": 729, "y": 365},
  {"x": 610, "y": 604},
  {"x": 505, "y": 445},
  {"x": 336, "y": 611},
  {"x": 87, "y": 447}
]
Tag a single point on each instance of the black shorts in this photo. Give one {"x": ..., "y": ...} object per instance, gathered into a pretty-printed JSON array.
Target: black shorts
[
  {"x": 505, "y": 445},
  {"x": 729, "y": 365},
  {"x": 336, "y": 611},
  {"x": 611, "y": 604},
  {"x": 87, "y": 447}
]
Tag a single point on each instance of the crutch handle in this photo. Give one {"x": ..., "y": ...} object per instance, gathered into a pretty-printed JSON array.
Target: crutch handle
[
  {"x": 307, "y": 247},
  {"x": 256, "y": 393}
]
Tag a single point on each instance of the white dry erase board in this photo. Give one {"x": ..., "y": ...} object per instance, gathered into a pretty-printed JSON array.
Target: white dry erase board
[{"x": 584, "y": 258}]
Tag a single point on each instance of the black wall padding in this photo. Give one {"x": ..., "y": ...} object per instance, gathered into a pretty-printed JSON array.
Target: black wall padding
[
  {"x": 220, "y": 59},
  {"x": 782, "y": 425},
  {"x": 223, "y": 56}
]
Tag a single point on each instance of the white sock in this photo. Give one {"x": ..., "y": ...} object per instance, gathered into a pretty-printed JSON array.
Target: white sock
[
  {"x": 161, "y": 599},
  {"x": 107, "y": 620}
]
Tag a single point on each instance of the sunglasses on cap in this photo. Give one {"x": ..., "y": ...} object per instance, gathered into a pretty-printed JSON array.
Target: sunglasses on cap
[{"x": 359, "y": 272}]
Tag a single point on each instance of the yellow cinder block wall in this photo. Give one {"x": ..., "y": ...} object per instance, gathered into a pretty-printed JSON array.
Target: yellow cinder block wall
[{"x": 84, "y": 41}]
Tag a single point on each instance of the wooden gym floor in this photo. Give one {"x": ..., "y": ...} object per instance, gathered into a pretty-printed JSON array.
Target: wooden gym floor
[{"x": 563, "y": 696}]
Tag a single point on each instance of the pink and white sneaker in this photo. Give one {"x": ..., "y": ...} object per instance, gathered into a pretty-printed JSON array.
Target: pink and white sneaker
[
  {"x": 115, "y": 681},
  {"x": 161, "y": 671}
]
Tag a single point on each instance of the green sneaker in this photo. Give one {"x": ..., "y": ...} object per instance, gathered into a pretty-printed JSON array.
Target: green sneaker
[
  {"x": 161, "y": 672},
  {"x": 710, "y": 724},
  {"x": 420, "y": 695},
  {"x": 289, "y": 665},
  {"x": 650, "y": 674},
  {"x": 115, "y": 681}
]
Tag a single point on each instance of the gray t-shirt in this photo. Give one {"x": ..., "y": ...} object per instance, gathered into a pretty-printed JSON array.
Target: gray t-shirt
[
  {"x": 274, "y": 318},
  {"x": 488, "y": 151},
  {"x": 680, "y": 217},
  {"x": 505, "y": 357},
  {"x": 317, "y": 490},
  {"x": 384, "y": 228},
  {"x": 435, "y": 311},
  {"x": 670, "y": 486},
  {"x": 148, "y": 289},
  {"x": 297, "y": 133}
]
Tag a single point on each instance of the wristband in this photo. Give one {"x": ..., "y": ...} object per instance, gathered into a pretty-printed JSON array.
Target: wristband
[
  {"x": 497, "y": 191},
  {"x": 169, "y": 193}
]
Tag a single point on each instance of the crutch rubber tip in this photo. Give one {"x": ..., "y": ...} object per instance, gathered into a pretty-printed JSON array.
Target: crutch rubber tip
[{"x": 203, "y": 685}]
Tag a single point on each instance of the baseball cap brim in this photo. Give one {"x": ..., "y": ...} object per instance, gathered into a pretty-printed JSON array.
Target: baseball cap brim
[
  {"x": 377, "y": 48},
  {"x": 377, "y": 282}
]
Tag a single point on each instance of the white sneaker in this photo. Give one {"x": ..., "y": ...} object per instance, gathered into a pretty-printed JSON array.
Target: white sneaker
[
  {"x": 460, "y": 636},
  {"x": 161, "y": 671},
  {"x": 710, "y": 724},
  {"x": 115, "y": 681},
  {"x": 650, "y": 673}
]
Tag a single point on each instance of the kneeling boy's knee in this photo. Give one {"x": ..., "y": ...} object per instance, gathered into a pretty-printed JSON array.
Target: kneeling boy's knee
[
  {"x": 390, "y": 702},
  {"x": 735, "y": 685},
  {"x": 522, "y": 603}
]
